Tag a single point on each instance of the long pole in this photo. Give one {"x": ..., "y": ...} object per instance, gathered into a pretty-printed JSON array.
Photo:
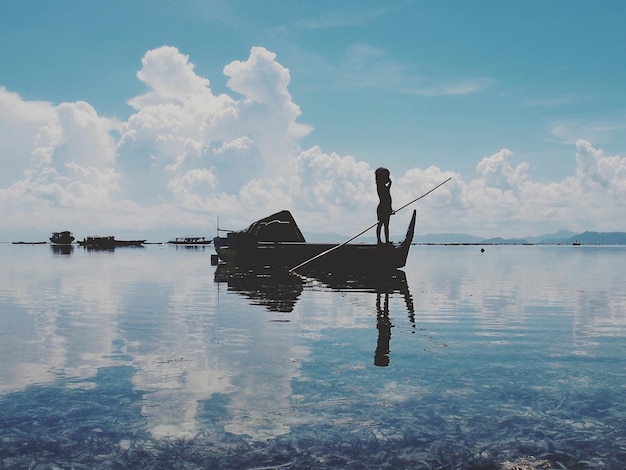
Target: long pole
[
  {"x": 423, "y": 195},
  {"x": 319, "y": 255}
]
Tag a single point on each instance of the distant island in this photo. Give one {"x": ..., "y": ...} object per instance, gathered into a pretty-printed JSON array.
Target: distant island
[{"x": 562, "y": 237}]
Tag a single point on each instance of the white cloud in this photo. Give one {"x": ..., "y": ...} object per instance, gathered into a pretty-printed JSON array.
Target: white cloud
[
  {"x": 596, "y": 168},
  {"x": 241, "y": 143},
  {"x": 64, "y": 163},
  {"x": 239, "y": 139},
  {"x": 186, "y": 156},
  {"x": 268, "y": 111},
  {"x": 497, "y": 171},
  {"x": 333, "y": 181},
  {"x": 20, "y": 120},
  {"x": 170, "y": 76},
  {"x": 261, "y": 79},
  {"x": 588, "y": 200}
]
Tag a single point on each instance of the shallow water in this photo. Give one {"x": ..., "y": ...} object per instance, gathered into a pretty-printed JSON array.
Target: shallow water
[{"x": 150, "y": 358}]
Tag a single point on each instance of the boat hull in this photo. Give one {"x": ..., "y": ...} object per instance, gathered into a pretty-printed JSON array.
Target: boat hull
[
  {"x": 190, "y": 243},
  {"x": 288, "y": 255},
  {"x": 322, "y": 256},
  {"x": 108, "y": 243}
]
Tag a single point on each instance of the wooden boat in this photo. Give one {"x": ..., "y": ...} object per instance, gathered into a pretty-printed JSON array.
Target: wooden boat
[
  {"x": 276, "y": 242},
  {"x": 190, "y": 241},
  {"x": 62, "y": 238},
  {"x": 108, "y": 242}
]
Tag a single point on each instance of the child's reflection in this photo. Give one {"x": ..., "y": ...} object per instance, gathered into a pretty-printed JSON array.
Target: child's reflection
[{"x": 383, "y": 324}]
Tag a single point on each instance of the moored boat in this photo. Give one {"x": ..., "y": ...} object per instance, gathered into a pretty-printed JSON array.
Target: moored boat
[
  {"x": 103, "y": 243},
  {"x": 190, "y": 241},
  {"x": 62, "y": 238},
  {"x": 276, "y": 242},
  {"x": 108, "y": 242}
]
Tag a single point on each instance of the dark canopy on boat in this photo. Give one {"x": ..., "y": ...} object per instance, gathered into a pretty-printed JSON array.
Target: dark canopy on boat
[{"x": 279, "y": 227}]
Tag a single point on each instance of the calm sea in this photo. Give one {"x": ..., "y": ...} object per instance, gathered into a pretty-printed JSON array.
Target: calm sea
[{"x": 152, "y": 358}]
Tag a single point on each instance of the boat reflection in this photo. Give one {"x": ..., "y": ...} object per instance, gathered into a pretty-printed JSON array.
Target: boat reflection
[
  {"x": 198, "y": 247},
  {"x": 279, "y": 291},
  {"x": 62, "y": 249}
]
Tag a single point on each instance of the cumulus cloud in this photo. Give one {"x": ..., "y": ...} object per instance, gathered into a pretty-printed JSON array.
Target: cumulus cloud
[
  {"x": 170, "y": 76},
  {"x": 20, "y": 122},
  {"x": 268, "y": 111},
  {"x": 498, "y": 172},
  {"x": 180, "y": 126},
  {"x": 594, "y": 168},
  {"x": 186, "y": 155},
  {"x": 582, "y": 201},
  {"x": 67, "y": 167}
]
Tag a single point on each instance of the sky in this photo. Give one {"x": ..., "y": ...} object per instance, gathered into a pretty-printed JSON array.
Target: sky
[{"x": 157, "y": 119}]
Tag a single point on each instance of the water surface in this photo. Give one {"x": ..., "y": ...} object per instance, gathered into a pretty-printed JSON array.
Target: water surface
[{"x": 150, "y": 357}]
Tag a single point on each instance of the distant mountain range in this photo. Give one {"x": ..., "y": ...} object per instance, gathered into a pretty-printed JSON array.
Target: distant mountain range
[{"x": 561, "y": 237}]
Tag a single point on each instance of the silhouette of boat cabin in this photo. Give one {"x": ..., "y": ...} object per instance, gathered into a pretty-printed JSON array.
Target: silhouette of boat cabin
[
  {"x": 62, "y": 238},
  {"x": 276, "y": 242}
]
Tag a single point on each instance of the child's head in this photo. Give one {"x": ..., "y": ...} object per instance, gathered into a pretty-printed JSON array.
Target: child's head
[{"x": 382, "y": 175}]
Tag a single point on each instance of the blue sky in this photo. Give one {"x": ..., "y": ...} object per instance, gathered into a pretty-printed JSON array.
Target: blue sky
[{"x": 160, "y": 116}]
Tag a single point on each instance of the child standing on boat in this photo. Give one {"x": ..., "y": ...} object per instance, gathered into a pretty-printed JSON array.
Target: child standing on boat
[{"x": 384, "y": 210}]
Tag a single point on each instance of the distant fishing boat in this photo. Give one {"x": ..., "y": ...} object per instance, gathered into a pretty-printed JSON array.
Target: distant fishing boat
[
  {"x": 62, "y": 238},
  {"x": 576, "y": 243},
  {"x": 108, "y": 242},
  {"x": 277, "y": 242},
  {"x": 190, "y": 241},
  {"x": 29, "y": 243}
]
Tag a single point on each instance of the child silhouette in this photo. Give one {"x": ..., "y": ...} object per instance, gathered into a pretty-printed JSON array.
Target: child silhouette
[{"x": 384, "y": 210}]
